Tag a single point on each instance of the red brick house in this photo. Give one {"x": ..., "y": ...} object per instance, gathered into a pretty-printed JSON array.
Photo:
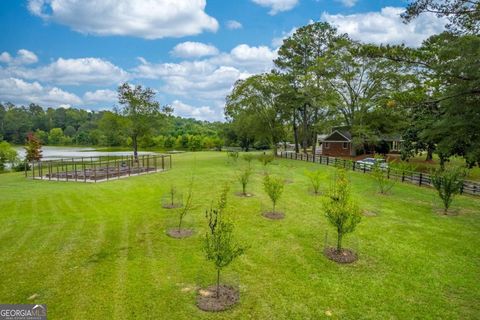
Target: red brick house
[
  {"x": 339, "y": 144},
  {"x": 336, "y": 144}
]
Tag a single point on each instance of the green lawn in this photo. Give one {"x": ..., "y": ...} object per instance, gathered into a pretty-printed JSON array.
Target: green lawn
[{"x": 99, "y": 251}]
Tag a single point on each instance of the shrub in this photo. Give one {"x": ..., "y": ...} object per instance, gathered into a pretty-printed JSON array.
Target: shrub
[
  {"x": 265, "y": 159},
  {"x": 7, "y": 154},
  {"x": 448, "y": 183},
  {"x": 220, "y": 246},
  {"x": 233, "y": 155},
  {"x": 244, "y": 178},
  {"x": 248, "y": 157},
  {"x": 315, "y": 178},
  {"x": 380, "y": 175},
  {"x": 274, "y": 188},
  {"x": 340, "y": 210}
]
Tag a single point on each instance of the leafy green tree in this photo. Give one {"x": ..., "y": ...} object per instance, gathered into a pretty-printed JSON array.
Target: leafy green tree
[
  {"x": 448, "y": 183},
  {"x": 464, "y": 15},
  {"x": 244, "y": 178},
  {"x": 315, "y": 177},
  {"x": 380, "y": 175},
  {"x": 56, "y": 136},
  {"x": 341, "y": 211},
  {"x": 256, "y": 98},
  {"x": 265, "y": 160},
  {"x": 139, "y": 107},
  {"x": 7, "y": 154},
  {"x": 273, "y": 186},
  {"x": 220, "y": 245}
]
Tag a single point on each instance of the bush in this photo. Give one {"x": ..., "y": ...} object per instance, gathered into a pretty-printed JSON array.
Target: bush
[
  {"x": 220, "y": 246},
  {"x": 244, "y": 178},
  {"x": 274, "y": 188},
  {"x": 380, "y": 175},
  {"x": 448, "y": 183},
  {"x": 315, "y": 178},
  {"x": 340, "y": 210}
]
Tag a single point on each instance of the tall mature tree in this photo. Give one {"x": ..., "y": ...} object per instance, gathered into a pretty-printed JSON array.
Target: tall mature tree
[
  {"x": 296, "y": 58},
  {"x": 257, "y": 96},
  {"x": 140, "y": 108},
  {"x": 463, "y": 15}
]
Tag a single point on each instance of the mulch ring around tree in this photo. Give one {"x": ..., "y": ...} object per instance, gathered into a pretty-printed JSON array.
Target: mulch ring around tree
[
  {"x": 450, "y": 212},
  {"x": 179, "y": 233},
  {"x": 344, "y": 256},
  {"x": 207, "y": 298},
  {"x": 244, "y": 195},
  {"x": 172, "y": 206},
  {"x": 288, "y": 181},
  {"x": 274, "y": 215}
]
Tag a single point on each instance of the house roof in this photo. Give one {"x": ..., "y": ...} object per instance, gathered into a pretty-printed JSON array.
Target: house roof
[{"x": 336, "y": 135}]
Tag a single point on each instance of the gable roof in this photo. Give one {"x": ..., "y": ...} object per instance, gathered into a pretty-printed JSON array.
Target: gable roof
[{"x": 336, "y": 135}]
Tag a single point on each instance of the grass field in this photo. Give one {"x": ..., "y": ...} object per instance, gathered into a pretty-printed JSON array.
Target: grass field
[{"x": 99, "y": 251}]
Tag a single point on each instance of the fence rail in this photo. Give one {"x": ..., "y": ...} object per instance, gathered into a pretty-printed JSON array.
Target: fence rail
[
  {"x": 413, "y": 177},
  {"x": 96, "y": 169}
]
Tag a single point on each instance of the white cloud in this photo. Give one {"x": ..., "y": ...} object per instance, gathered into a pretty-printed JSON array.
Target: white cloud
[
  {"x": 23, "y": 57},
  {"x": 73, "y": 72},
  {"x": 277, "y": 6},
  {"x": 188, "y": 111},
  {"x": 386, "y": 26},
  {"x": 191, "y": 49},
  {"x": 233, "y": 25},
  {"x": 348, "y": 3},
  {"x": 278, "y": 41},
  {"x": 149, "y": 19},
  {"x": 208, "y": 79},
  {"x": 21, "y": 92},
  {"x": 100, "y": 96}
]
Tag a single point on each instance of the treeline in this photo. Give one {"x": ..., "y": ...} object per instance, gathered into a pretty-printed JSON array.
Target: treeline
[
  {"x": 322, "y": 79},
  {"x": 105, "y": 128}
]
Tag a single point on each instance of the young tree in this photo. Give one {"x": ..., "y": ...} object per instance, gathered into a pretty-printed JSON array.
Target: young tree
[
  {"x": 380, "y": 174},
  {"x": 220, "y": 246},
  {"x": 7, "y": 154},
  {"x": 248, "y": 158},
  {"x": 244, "y": 178},
  {"x": 315, "y": 178},
  {"x": 140, "y": 108},
  {"x": 274, "y": 188},
  {"x": 233, "y": 155},
  {"x": 341, "y": 211},
  {"x": 448, "y": 183},
  {"x": 179, "y": 232},
  {"x": 265, "y": 160},
  {"x": 33, "y": 148}
]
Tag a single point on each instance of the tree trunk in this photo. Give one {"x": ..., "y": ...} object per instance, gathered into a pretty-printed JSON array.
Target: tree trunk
[
  {"x": 295, "y": 132},
  {"x": 135, "y": 147},
  {"x": 305, "y": 129},
  {"x": 339, "y": 241},
  {"x": 429, "y": 153},
  {"x": 218, "y": 284}
]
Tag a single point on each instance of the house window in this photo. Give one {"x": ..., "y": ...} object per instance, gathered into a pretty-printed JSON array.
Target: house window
[
  {"x": 345, "y": 145},
  {"x": 327, "y": 145}
]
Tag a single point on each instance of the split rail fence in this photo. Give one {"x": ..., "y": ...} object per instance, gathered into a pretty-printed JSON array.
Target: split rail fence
[{"x": 413, "y": 177}]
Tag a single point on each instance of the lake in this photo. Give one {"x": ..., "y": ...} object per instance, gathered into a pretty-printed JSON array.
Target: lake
[{"x": 53, "y": 153}]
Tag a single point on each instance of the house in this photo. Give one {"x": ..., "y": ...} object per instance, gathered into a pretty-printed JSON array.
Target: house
[{"x": 339, "y": 144}]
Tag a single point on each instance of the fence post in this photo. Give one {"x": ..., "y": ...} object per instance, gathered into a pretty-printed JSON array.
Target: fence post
[
  {"x": 353, "y": 165},
  {"x": 420, "y": 182},
  {"x": 84, "y": 171},
  {"x": 163, "y": 163},
  {"x": 328, "y": 160},
  {"x": 403, "y": 176}
]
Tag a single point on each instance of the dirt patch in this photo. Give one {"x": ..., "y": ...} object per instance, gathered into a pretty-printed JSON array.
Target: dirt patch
[
  {"x": 207, "y": 299},
  {"x": 179, "y": 233},
  {"x": 244, "y": 195},
  {"x": 344, "y": 256},
  {"x": 452, "y": 212},
  {"x": 274, "y": 215},
  {"x": 288, "y": 181},
  {"x": 318, "y": 194},
  {"x": 172, "y": 206},
  {"x": 368, "y": 213}
]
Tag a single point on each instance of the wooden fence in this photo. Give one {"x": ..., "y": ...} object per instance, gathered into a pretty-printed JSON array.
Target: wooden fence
[
  {"x": 413, "y": 177},
  {"x": 95, "y": 169}
]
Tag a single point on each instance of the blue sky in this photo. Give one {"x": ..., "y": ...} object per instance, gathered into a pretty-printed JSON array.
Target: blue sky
[{"x": 75, "y": 53}]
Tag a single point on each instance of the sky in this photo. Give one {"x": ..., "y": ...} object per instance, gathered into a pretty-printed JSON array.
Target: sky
[{"x": 75, "y": 53}]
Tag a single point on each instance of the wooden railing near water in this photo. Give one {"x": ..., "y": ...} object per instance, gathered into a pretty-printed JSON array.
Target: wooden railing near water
[{"x": 417, "y": 178}]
